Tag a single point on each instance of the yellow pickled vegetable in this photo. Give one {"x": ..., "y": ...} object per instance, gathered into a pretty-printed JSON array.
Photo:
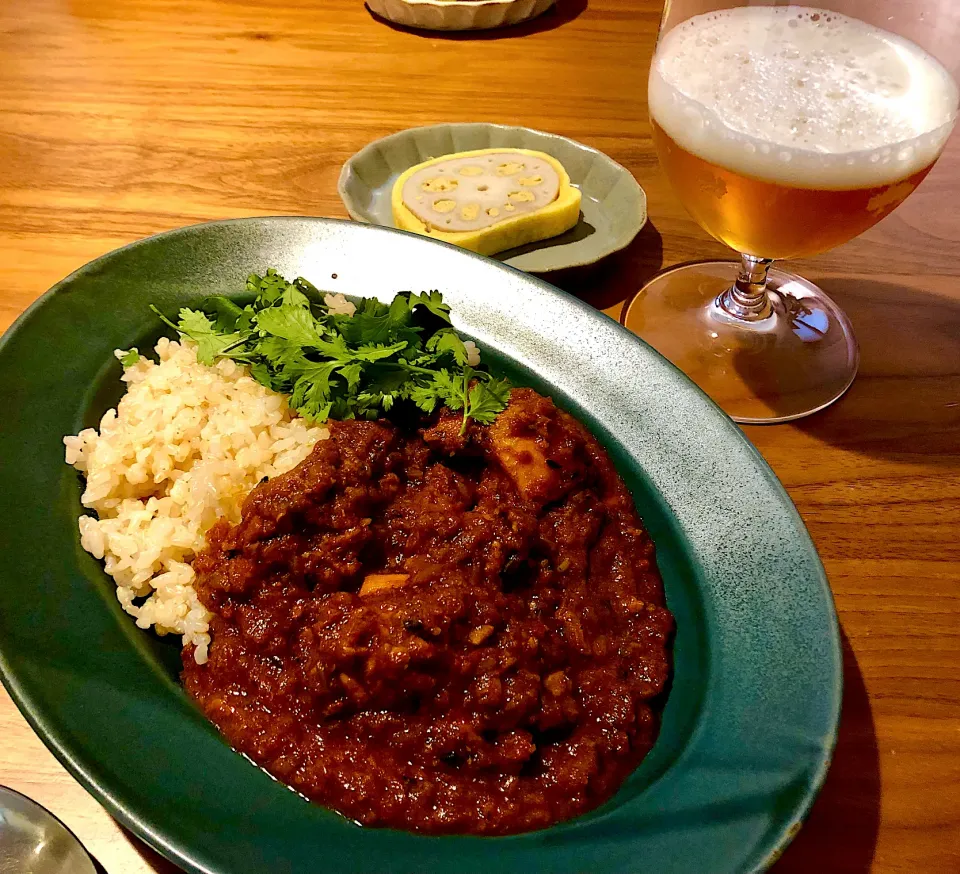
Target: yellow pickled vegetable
[{"x": 487, "y": 200}]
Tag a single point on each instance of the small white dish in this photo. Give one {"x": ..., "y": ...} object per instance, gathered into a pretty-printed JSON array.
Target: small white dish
[{"x": 458, "y": 14}]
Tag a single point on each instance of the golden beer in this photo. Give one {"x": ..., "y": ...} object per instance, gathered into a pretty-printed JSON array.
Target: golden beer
[
  {"x": 770, "y": 219},
  {"x": 787, "y": 131}
]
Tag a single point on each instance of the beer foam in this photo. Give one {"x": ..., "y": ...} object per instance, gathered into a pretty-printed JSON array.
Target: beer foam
[{"x": 801, "y": 96}]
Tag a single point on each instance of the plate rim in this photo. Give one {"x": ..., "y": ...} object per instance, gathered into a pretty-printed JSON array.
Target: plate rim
[
  {"x": 174, "y": 849},
  {"x": 618, "y": 244}
]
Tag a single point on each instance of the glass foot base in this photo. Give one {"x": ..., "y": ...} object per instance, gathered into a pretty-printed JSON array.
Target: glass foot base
[{"x": 796, "y": 361}]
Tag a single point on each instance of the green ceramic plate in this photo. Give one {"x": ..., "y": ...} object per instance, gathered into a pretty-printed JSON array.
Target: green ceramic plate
[
  {"x": 749, "y": 725},
  {"x": 613, "y": 207}
]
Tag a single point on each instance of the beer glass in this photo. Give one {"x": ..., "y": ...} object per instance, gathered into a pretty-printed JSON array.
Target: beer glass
[{"x": 785, "y": 131}]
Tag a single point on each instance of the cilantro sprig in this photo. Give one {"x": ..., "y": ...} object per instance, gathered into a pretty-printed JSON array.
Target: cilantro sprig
[{"x": 345, "y": 366}]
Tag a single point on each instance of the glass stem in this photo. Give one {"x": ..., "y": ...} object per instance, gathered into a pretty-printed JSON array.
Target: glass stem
[{"x": 747, "y": 298}]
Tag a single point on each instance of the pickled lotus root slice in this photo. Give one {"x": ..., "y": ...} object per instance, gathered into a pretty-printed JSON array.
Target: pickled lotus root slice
[
  {"x": 479, "y": 191},
  {"x": 439, "y": 183}
]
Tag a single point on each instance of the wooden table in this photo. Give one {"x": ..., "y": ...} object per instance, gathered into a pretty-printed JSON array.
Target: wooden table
[{"x": 120, "y": 118}]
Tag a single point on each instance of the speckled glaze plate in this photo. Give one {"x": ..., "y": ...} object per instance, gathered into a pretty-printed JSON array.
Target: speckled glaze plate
[
  {"x": 750, "y": 722},
  {"x": 612, "y": 211}
]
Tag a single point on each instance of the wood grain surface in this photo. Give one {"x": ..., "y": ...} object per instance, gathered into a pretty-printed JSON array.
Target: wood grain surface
[{"x": 120, "y": 118}]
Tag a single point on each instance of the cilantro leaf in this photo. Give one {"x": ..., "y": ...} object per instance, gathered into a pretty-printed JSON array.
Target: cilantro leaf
[
  {"x": 376, "y": 323},
  {"x": 316, "y": 409},
  {"x": 195, "y": 322},
  {"x": 311, "y": 393},
  {"x": 334, "y": 348},
  {"x": 289, "y": 322},
  {"x": 228, "y": 317},
  {"x": 128, "y": 357},
  {"x": 292, "y": 296},
  {"x": 197, "y": 326},
  {"x": 391, "y": 378},
  {"x": 450, "y": 389},
  {"x": 424, "y": 396},
  {"x": 446, "y": 340},
  {"x": 370, "y": 306},
  {"x": 368, "y": 352},
  {"x": 261, "y": 373},
  {"x": 486, "y": 399},
  {"x": 278, "y": 351},
  {"x": 351, "y": 373},
  {"x": 268, "y": 288},
  {"x": 433, "y": 301}
]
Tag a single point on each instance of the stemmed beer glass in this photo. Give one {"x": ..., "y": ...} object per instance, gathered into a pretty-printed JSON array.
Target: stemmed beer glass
[{"x": 785, "y": 131}]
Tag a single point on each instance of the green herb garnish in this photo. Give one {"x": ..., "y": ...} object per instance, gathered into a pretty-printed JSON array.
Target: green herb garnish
[
  {"x": 128, "y": 357},
  {"x": 344, "y": 367}
]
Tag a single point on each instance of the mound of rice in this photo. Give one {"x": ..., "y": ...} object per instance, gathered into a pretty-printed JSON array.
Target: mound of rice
[{"x": 184, "y": 447}]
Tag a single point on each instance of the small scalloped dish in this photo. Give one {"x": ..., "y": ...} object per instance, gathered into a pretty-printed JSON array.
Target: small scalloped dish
[
  {"x": 458, "y": 14},
  {"x": 613, "y": 206},
  {"x": 491, "y": 220}
]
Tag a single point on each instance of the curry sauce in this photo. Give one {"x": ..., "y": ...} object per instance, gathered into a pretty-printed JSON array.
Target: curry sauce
[{"x": 440, "y": 631}]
